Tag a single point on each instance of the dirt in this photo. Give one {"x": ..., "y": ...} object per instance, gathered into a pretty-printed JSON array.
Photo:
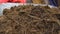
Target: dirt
[{"x": 30, "y": 20}]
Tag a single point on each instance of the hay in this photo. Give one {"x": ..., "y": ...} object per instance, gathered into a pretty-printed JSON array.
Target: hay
[{"x": 29, "y": 20}]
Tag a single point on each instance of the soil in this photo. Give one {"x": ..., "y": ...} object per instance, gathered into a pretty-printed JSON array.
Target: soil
[{"x": 30, "y": 19}]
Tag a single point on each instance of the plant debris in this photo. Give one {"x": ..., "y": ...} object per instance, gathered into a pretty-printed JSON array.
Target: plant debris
[{"x": 29, "y": 19}]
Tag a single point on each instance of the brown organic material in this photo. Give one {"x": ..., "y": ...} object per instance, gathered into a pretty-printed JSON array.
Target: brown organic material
[
  {"x": 29, "y": 20},
  {"x": 38, "y": 1}
]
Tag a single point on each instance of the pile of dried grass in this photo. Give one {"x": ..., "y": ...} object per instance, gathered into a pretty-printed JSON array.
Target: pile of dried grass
[{"x": 29, "y": 20}]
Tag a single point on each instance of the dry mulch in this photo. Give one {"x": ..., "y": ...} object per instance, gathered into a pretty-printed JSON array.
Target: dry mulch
[{"x": 29, "y": 20}]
